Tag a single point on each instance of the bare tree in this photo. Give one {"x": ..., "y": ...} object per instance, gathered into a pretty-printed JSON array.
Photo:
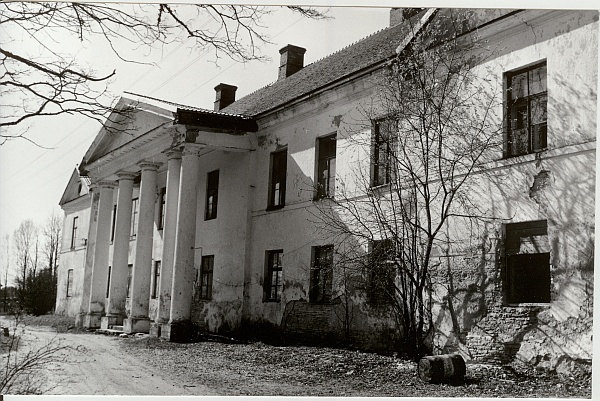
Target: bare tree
[
  {"x": 52, "y": 234},
  {"x": 432, "y": 128},
  {"x": 25, "y": 238},
  {"x": 5, "y": 247},
  {"x": 50, "y": 83}
]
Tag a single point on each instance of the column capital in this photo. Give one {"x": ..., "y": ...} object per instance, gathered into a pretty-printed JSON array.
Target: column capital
[
  {"x": 173, "y": 153},
  {"x": 191, "y": 149},
  {"x": 103, "y": 184},
  {"x": 147, "y": 165},
  {"x": 126, "y": 175}
]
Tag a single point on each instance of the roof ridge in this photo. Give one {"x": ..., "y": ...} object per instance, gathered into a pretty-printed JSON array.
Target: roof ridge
[{"x": 347, "y": 46}]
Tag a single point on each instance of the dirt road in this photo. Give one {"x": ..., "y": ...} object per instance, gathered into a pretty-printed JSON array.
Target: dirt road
[{"x": 95, "y": 365}]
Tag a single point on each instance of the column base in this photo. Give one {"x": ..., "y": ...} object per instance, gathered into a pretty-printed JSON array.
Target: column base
[
  {"x": 79, "y": 319},
  {"x": 156, "y": 329},
  {"x": 92, "y": 321},
  {"x": 108, "y": 322},
  {"x": 179, "y": 332},
  {"x": 136, "y": 325}
]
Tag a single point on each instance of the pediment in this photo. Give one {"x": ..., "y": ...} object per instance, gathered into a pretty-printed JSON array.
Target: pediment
[
  {"x": 76, "y": 187},
  {"x": 130, "y": 120}
]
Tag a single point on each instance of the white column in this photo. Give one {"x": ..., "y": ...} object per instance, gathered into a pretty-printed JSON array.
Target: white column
[
  {"x": 97, "y": 285},
  {"x": 185, "y": 243},
  {"x": 142, "y": 266},
  {"x": 117, "y": 292},
  {"x": 89, "y": 259},
  {"x": 169, "y": 233}
]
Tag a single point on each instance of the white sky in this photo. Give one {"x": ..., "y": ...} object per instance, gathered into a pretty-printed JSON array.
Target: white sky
[{"x": 33, "y": 179}]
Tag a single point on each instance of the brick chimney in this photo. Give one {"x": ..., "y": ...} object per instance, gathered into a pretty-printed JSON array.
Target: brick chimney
[
  {"x": 225, "y": 95},
  {"x": 291, "y": 61},
  {"x": 399, "y": 14}
]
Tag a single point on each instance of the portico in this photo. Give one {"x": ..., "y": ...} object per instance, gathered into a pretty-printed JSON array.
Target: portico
[{"x": 127, "y": 180}]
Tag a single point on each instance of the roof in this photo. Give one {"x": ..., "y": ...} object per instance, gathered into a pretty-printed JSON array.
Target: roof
[
  {"x": 367, "y": 53},
  {"x": 374, "y": 49}
]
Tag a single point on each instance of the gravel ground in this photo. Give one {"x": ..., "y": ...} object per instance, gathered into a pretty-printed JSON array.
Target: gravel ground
[{"x": 258, "y": 369}]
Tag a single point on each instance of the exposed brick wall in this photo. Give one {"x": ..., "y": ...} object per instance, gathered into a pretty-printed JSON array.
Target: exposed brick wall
[{"x": 497, "y": 337}]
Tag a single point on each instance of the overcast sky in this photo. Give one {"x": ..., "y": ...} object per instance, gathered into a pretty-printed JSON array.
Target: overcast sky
[{"x": 32, "y": 179}]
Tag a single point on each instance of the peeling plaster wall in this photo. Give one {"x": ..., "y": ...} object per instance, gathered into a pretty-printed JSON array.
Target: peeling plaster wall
[
  {"x": 557, "y": 185},
  {"x": 225, "y": 238},
  {"x": 296, "y": 228},
  {"x": 72, "y": 258}
]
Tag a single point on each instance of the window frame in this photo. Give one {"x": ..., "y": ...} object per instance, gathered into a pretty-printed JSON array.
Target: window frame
[
  {"x": 321, "y": 274},
  {"x": 155, "y": 279},
  {"x": 69, "y": 290},
  {"x": 515, "y": 277},
  {"x": 272, "y": 291},
  {"x": 535, "y": 142},
  {"x": 325, "y": 189},
  {"x": 277, "y": 175},
  {"x": 205, "y": 279},
  {"x": 135, "y": 204},
  {"x": 385, "y": 148},
  {"x": 212, "y": 190},
  {"x": 129, "y": 279},
  {"x": 380, "y": 275},
  {"x": 74, "y": 228}
]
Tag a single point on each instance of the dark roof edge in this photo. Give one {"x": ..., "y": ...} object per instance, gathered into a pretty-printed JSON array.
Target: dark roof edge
[{"x": 215, "y": 120}]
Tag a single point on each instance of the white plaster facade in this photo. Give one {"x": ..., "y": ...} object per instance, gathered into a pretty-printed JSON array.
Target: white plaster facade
[{"x": 179, "y": 153}]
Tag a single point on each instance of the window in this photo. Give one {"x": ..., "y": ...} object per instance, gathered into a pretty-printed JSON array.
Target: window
[
  {"x": 384, "y": 144},
  {"x": 212, "y": 195},
  {"x": 161, "y": 209},
  {"x": 69, "y": 282},
  {"x": 273, "y": 276},
  {"x": 381, "y": 272},
  {"x": 156, "y": 280},
  {"x": 277, "y": 179},
  {"x": 527, "y": 275},
  {"x": 206, "y": 277},
  {"x": 527, "y": 98},
  {"x": 108, "y": 281},
  {"x": 134, "y": 216},
  {"x": 74, "y": 232},
  {"x": 326, "y": 167},
  {"x": 321, "y": 274},
  {"x": 113, "y": 224},
  {"x": 129, "y": 276}
]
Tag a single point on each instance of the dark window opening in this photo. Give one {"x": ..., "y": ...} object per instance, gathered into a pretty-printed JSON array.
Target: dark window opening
[
  {"x": 326, "y": 148},
  {"x": 384, "y": 142},
  {"x": 74, "y": 232},
  {"x": 321, "y": 274},
  {"x": 527, "y": 274},
  {"x": 381, "y": 272},
  {"x": 273, "y": 279},
  {"x": 206, "y": 277},
  {"x": 161, "y": 209},
  {"x": 527, "y": 99},
  {"x": 113, "y": 223},
  {"x": 108, "y": 281},
  {"x": 212, "y": 195},
  {"x": 277, "y": 179}
]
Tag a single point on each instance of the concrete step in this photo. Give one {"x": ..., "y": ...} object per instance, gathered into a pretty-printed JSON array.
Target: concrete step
[{"x": 115, "y": 327}]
